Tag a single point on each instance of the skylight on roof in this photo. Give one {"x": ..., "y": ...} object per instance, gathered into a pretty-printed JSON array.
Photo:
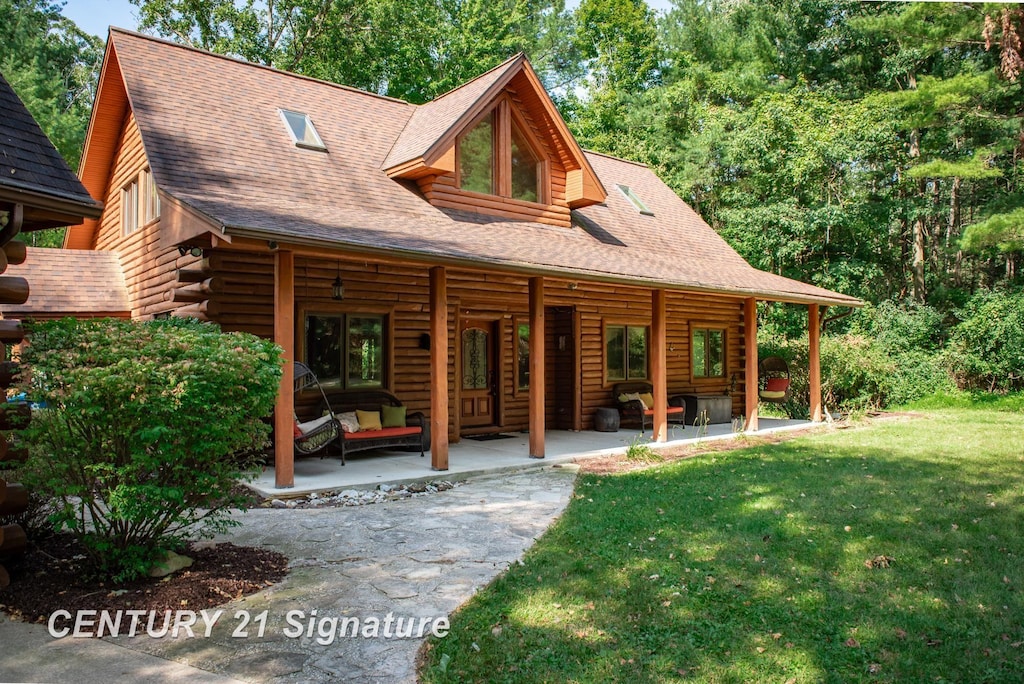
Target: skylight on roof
[
  {"x": 300, "y": 127},
  {"x": 635, "y": 200}
]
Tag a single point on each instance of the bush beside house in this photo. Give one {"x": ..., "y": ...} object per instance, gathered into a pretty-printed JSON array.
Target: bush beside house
[{"x": 147, "y": 428}]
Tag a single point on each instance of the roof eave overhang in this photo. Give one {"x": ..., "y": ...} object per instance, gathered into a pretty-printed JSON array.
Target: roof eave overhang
[
  {"x": 510, "y": 266},
  {"x": 49, "y": 209}
]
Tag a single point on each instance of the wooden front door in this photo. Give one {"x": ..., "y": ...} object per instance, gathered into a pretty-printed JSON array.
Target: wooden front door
[{"x": 479, "y": 379}]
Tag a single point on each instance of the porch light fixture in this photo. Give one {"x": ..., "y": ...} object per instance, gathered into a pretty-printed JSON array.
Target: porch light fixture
[
  {"x": 337, "y": 287},
  {"x": 189, "y": 249}
]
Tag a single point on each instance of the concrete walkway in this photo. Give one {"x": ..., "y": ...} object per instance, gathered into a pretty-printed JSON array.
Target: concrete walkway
[{"x": 414, "y": 558}]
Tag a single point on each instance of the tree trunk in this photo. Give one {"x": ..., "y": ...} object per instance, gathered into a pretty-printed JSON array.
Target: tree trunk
[
  {"x": 917, "y": 290},
  {"x": 953, "y": 229}
]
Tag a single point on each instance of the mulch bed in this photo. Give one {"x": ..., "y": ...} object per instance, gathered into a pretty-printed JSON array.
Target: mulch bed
[{"x": 52, "y": 575}]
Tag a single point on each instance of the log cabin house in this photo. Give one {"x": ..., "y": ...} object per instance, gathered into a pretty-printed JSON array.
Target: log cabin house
[{"x": 465, "y": 254}]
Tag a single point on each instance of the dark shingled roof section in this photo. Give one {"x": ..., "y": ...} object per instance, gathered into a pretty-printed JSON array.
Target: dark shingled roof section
[
  {"x": 223, "y": 150},
  {"x": 70, "y": 282},
  {"x": 28, "y": 160}
]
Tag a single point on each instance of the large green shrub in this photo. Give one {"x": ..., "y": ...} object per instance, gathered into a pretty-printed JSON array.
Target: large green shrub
[
  {"x": 140, "y": 443},
  {"x": 986, "y": 348}
]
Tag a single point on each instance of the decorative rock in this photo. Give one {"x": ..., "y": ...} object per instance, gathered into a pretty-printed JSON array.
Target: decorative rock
[{"x": 171, "y": 562}]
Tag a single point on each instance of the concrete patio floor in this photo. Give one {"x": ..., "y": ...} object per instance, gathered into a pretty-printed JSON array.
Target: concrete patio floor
[{"x": 469, "y": 457}]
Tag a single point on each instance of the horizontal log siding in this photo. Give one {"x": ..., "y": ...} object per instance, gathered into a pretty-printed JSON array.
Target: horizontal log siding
[
  {"x": 245, "y": 302},
  {"x": 149, "y": 270}
]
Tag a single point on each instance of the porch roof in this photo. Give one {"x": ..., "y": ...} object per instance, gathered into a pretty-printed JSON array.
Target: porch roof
[
  {"x": 97, "y": 289},
  {"x": 225, "y": 153},
  {"x": 33, "y": 173}
]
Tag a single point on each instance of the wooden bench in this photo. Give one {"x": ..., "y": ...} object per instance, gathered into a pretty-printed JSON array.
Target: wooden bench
[
  {"x": 636, "y": 410},
  {"x": 344, "y": 401}
]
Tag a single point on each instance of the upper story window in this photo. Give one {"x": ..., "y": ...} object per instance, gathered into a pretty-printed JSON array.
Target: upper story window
[
  {"x": 130, "y": 207},
  {"x": 300, "y": 128},
  {"x": 476, "y": 157},
  {"x": 635, "y": 200},
  {"x": 140, "y": 203},
  {"x": 497, "y": 157}
]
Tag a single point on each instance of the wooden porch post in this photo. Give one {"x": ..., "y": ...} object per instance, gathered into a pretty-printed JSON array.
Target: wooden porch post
[
  {"x": 750, "y": 375},
  {"x": 537, "y": 367},
  {"x": 284, "y": 336},
  {"x": 814, "y": 360},
  {"x": 659, "y": 365},
  {"x": 439, "y": 368}
]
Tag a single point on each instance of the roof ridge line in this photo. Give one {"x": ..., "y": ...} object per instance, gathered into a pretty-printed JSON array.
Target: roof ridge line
[
  {"x": 239, "y": 60},
  {"x": 613, "y": 157},
  {"x": 518, "y": 55}
]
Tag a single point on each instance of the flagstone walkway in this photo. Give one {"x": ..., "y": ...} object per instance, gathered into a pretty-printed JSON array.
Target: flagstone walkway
[{"x": 412, "y": 558}]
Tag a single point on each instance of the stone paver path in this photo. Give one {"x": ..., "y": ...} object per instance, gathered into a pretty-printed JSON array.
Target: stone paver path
[{"x": 413, "y": 558}]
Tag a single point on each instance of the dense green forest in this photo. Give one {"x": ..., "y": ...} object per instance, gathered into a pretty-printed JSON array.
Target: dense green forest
[{"x": 868, "y": 147}]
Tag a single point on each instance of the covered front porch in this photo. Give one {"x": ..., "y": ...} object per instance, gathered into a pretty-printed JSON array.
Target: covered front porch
[{"x": 473, "y": 458}]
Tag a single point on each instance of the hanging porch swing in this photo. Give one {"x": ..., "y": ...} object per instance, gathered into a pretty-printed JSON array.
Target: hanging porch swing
[{"x": 773, "y": 380}]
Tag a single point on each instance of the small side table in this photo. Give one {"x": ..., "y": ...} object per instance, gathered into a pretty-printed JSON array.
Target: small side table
[{"x": 606, "y": 419}]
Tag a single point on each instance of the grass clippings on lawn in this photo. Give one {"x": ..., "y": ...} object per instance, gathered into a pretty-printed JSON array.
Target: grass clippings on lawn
[{"x": 888, "y": 553}]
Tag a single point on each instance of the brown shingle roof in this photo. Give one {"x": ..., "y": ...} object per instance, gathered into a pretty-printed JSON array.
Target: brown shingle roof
[
  {"x": 70, "y": 282},
  {"x": 224, "y": 151},
  {"x": 29, "y": 162}
]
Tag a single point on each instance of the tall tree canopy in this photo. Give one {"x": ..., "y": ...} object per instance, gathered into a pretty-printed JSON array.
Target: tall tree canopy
[{"x": 869, "y": 147}]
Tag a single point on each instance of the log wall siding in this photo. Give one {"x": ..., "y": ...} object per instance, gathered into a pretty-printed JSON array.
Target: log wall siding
[
  {"x": 245, "y": 302},
  {"x": 149, "y": 269}
]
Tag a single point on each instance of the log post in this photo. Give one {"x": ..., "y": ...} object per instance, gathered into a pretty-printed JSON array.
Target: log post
[
  {"x": 814, "y": 361},
  {"x": 750, "y": 368},
  {"x": 537, "y": 370},
  {"x": 13, "y": 415},
  {"x": 659, "y": 365},
  {"x": 284, "y": 337},
  {"x": 439, "y": 368}
]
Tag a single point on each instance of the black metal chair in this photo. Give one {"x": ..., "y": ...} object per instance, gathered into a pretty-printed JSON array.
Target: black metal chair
[{"x": 314, "y": 435}]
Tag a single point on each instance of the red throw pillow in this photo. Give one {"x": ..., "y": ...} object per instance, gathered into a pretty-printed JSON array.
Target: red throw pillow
[
  {"x": 777, "y": 385},
  {"x": 298, "y": 430}
]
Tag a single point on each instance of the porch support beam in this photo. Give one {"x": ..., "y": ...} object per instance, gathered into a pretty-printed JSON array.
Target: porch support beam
[
  {"x": 284, "y": 337},
  {"x": 439, "y": 368},
  {"x": 659, "y": 365},
  {"x": 537, "y": 368},
  {"x": 814, "y": 360},
  {"x": 750, "y": 370}
]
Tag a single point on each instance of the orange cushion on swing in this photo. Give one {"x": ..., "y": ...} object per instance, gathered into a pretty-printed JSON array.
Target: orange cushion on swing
[{"x": 777, "y": 385}]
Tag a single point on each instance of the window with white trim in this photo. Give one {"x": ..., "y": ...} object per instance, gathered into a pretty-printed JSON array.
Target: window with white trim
[{"x": 140, "y": 202}]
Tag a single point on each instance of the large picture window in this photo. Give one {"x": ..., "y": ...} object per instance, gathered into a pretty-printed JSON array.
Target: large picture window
[
  {"x": 625, "y": 352},
  {"x": 346, "y": 350},
  {"x": 708, "y": 353},
  {"x": 517, "y": 171}
]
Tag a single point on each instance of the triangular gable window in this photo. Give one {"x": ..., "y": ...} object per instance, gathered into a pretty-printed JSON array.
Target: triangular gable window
[
  {"x": 497, "y": 157},
  {"x": 301, "y": 129}
]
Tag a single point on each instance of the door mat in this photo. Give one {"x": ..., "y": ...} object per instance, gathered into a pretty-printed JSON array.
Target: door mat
[{"x": 490, "y": 437}]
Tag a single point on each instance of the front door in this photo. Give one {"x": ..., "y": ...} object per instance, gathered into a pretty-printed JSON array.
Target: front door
[{"x": 479, "y": 379}]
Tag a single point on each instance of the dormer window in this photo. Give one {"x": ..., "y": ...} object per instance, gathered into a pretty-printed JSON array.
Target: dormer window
[
  {"x": 497, "y": 157},
  {"x": 301, "y": 129},
  {"x": 635, "y": 200}
]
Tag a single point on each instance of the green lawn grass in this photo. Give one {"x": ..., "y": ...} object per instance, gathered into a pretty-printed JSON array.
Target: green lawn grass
[{"x": 750, "y": 566}]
